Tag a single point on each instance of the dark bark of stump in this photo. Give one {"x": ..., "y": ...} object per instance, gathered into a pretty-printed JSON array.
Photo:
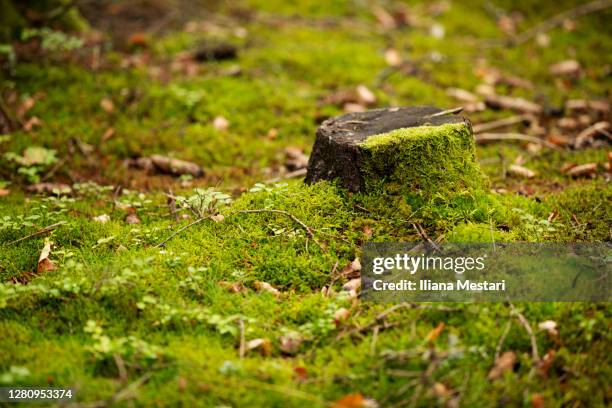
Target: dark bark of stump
[{"x": 336, "y": 153}]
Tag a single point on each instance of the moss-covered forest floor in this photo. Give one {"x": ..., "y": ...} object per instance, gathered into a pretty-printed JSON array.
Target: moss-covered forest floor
[{"x": 246, "y": 308}]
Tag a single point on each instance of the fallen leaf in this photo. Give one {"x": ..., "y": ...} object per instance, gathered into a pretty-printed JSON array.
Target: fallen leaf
[
  {"x": 355, "y": 400},
  {"x": 352, "y": 285},
  {"x": 352, "y": 269},
  {"x": 383, "y": 17},
  {"x": 537, "y": 401},
  {"x": 217, "y": 217},
  {"x": 462, "y": 95},
  {"x": 437, "y": 31},
  {"x": 296, "y": 159},
  {"x": 546, "y": 363},
  {"x": 301, "y": 374},
  {"x": 440, "y": 390},
  {"x": 503, "y": 364},
  {"x": 263, "y": 345},
  {"x": 181, "y": 384},
  {"x": 341, "y": 315},
  {"x": 516, "y": 104},
  {"x": 107, "y": 105},
  {"x": 290, "y": 343},
  {"x": 220, "y": 123},
  {"x": 235, "y": 287},
  {"x": 582, "y": 170},
  {"x": 102, "y": 219},
  {"x": 138, "y": 39},
  {"x": 175, "y": 166},
  {"x": 568, "y": 123},
  {"x": 108, "y": 134},
  {"x": 4, "y": 192},
  {"x": 31, "y": 123},
  {"x": 485, "y": 89},
  {"x": 272, "y": 134},
  {"x": 521, "y": 171},
  {"x": 49, "y": 188},
  {"x": 435, "y": 333},
  {"x": 367, "y": 231},
  {"x": 392, "y": 57},
  {"x": 132, "y": 218},
  {"x": 266, "y": 287},
  {"x": 568, "y": 68},
  {"x": 353, "y": 108},
  {"x": 549, "y": 326},
  {"x": 365, "y": 96},
  {"x": 27, "y": 104},
  {"x": 44, "y": 263},
  {"x": 589, "y": 133},
  {"x": 350, "y": 401}
]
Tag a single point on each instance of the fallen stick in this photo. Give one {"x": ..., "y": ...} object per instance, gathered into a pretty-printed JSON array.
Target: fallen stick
[
  {"x": 452, "y": 111},
  {"x": 487, "y": 137},
  {"x": 39, "y": 232},
  {"x": 527, "y": 326},
  {"x": 502, "y": 339},
  {"x": 175, "y": 233},
  {"x": 496, "y": 124}
]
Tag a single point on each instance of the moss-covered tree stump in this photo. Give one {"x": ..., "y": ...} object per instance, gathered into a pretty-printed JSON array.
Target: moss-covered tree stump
[{"x": 407, "y": 149}]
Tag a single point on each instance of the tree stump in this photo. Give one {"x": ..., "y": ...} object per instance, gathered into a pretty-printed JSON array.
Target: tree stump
[{"x": 399, "y": 149}]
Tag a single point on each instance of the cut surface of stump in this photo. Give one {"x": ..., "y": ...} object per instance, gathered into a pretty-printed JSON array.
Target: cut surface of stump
[{"x": 399, "y": 149}]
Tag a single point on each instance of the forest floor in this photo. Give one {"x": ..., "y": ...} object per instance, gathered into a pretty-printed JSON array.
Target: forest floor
[{"x": 101, "y": 291}]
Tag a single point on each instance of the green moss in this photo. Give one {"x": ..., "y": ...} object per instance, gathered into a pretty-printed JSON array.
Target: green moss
[{"x": 427, "y": 159}]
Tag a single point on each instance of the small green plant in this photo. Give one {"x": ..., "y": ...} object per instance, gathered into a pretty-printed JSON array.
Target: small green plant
[
  {"x": 51, "y": 40},
  {"x": 204, "y": 203},
  {"x": 133, "y": 350},
  {"x": 32, "y": 162},
  {"x": 535, "y": 229}
]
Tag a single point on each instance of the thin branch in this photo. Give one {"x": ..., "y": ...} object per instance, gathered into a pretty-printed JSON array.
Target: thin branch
[
  {"x": 496, "y": 124},
  {"x": 500, "y": 344},
  {"x": 423, "y": 234},
  {"x": 487, "y": 137},
  {"x": 175, "y": 233},
  {"x": 39, "y": 232},
  {"x": 527, "y": 326},
  {"x": 452, "y": 111}
]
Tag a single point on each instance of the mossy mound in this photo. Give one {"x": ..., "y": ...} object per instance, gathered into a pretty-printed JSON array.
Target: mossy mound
[{"x": 427, "y": 159}]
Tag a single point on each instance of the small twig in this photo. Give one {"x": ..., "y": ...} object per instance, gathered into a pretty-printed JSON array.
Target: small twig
[
  {"x": 500, "y": 344},
  {"x": 120, "y": 367},
  {"x": 527, "y": 326},
  {"x": 496, "y": 124},
  {"x": 423, "y": 234},
  {"x": 487, "y": 137},
  {"x": 175, "y": 233},
  {"x": 39, "y": 232},
  {"x": 452, "y": 111}
]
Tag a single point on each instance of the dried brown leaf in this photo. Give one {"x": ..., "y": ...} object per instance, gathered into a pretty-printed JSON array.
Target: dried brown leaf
[
  {"x": 290, "y": 343},
  {"x": 503, "y": 364},
  {"x": 266, "y": 287},
  {"x": 582, "y": 170},
  {"x": 44, "y": 263},
  {"x": 521, "y": 171}
]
